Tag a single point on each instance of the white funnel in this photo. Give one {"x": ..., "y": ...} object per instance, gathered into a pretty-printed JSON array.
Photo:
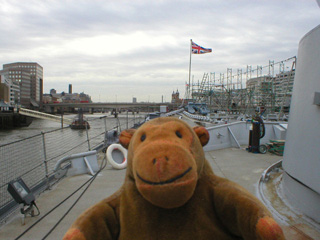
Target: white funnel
[{"x": 301, "y": 181}]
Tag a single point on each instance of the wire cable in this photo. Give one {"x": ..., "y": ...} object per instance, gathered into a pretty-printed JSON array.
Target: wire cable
[
  {"x": 103, "y": 165},
  {"x": 67, "y": 212},
  {"x": 83, "y": 192},
  {"x": 29, "y": 228}
]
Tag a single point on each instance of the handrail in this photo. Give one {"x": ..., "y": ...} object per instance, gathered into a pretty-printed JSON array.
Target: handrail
[{"x": 68, "y": 158}]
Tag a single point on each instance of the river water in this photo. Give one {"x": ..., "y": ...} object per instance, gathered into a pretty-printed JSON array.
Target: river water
[
  {"x": 34, "y": 159},
  {"x": 96, "y": 121}
]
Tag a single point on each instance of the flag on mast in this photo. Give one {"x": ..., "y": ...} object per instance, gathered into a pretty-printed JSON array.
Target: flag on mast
[{"x": 196, "y": 49}]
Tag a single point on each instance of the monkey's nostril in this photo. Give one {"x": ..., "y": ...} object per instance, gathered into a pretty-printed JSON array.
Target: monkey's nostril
[{"x": 154, "y": 161}]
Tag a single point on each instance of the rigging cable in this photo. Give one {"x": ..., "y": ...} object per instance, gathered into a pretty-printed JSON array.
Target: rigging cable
[
  {"x": 67, "y": 212},
  {"x": 89, "y": 182}
]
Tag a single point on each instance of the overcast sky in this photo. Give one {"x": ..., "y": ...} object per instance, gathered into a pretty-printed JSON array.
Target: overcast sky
[{"x": 116, "y": 50}]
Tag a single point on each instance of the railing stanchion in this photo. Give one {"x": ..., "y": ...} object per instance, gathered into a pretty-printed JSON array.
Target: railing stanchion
[
  {"x": 127, "y": 119},
  {"x": 89, "y": 148},
  {"x": 45, "y": 160}
]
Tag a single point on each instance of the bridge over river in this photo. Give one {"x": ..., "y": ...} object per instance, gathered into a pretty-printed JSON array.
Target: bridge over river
[
  {"x": 91, "y": 107},
  {"x": 53, "y": 108}
]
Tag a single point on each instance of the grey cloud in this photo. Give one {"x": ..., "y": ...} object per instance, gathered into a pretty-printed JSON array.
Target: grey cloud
[{"x": 239, "y": 32}]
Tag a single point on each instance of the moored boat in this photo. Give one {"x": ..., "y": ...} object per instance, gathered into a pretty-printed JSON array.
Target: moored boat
[{"x": 80, "y": 122}]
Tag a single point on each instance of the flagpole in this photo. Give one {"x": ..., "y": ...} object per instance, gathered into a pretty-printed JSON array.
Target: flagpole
[{"x": 189, "y": 95}]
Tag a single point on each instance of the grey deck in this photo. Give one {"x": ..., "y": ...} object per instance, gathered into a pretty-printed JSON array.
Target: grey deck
[{"x": 233, "y": 163}]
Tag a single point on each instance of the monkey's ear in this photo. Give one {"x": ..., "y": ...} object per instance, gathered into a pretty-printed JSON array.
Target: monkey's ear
[
  {"x": 202, "y": 134},
  {"x": 125, "y": 137}
]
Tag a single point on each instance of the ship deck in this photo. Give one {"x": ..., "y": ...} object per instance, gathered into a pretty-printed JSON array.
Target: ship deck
[{"x": 235, "y": 164}]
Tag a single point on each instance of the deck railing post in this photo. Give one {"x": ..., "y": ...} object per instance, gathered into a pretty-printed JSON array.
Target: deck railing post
[
  {"x": 105, "y": 130},
  {"x": 127, "y": 119},
  {"x": 89, "y": 148},
  {"x": 134, "y": 117},
  {"x": 61, "y": 117},
  {"x": 45, "y": 160}
]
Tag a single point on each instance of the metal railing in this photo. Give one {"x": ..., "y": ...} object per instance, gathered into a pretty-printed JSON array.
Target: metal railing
[
  {"x": 236, "y": 134},
  {"x": 34, "y": 158}
]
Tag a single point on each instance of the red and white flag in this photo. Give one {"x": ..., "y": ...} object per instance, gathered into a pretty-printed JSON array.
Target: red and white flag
[{"x": 196, "y": 49}]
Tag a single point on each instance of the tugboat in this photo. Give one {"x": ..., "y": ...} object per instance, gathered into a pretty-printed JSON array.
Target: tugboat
[{"x": 80, "y": 122}]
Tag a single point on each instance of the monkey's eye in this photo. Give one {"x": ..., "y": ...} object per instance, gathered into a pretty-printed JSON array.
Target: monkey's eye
[
  {"x": 143, "y": 137},
  {"x": 179, "y": 135}
]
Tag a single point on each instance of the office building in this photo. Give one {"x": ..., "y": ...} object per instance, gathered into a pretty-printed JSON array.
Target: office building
[
  {"x": 9, "y": 91},
  {"x": 29, "y": 76}
]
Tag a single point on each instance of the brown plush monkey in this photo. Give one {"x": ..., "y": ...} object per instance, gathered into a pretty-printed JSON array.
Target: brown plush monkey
[{"x": 171, "y": 193}]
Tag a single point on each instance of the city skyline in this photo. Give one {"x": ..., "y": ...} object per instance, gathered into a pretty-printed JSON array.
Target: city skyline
[{"x": 114, "y": 51}]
